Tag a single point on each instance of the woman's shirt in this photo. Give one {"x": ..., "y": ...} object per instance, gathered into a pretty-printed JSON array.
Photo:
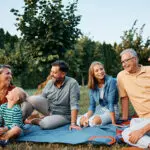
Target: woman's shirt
[{"x": 106, "y": 96}]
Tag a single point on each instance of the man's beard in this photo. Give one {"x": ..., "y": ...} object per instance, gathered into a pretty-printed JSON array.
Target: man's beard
[{"x": 57, "y": 80}]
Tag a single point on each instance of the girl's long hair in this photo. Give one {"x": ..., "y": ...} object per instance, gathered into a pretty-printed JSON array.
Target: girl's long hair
[{"x": 91, "y": 79}]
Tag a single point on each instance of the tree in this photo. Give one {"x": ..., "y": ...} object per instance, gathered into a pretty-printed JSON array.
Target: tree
[
  {"x": 86, "y": 51},
  {"x": 11, "y": 40},
  {"x": 48, "y": 29},
  {"x": 7, "y": 47},
  {"x": 81, "y": 58},
  {"x": 108, "y": 57},
  {"x": 134, "y": 39},
  {"x": 2, "y": 34}
]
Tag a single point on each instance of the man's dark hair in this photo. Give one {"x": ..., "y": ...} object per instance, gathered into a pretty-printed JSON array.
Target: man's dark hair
[{"x": 63, "y": 66}]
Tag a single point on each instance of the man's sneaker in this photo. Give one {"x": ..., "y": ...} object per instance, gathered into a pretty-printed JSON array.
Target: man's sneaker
[{"x": 3, "y": 142}]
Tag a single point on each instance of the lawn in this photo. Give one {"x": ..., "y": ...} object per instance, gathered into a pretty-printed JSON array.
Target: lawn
[{"x": 84, "y": 102}]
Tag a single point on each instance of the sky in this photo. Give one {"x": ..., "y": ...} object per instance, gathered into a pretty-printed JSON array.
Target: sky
[{"x": 102, "y": 20}]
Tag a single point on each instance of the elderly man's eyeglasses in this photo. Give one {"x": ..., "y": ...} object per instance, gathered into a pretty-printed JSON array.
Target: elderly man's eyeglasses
[{"x": 126, "y": 60}]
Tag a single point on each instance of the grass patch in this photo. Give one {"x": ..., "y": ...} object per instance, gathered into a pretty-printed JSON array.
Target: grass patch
[{"x": 48, "y": 146}]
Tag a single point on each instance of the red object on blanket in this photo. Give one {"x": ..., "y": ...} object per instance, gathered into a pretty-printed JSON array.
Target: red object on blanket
[{"x": 113, "y": 140}]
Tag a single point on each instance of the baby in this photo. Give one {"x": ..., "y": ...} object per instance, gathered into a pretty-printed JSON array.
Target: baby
[{"x": 11, "y": 123}]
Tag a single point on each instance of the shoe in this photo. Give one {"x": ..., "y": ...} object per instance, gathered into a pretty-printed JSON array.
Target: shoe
[
  {"x": 35, "y": 121},
  {"x": 3, "y": 142}
]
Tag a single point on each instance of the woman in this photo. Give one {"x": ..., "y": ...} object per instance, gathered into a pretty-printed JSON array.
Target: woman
[
  {"x": 5, "y": 82},
  {"x": 103, "y": 96},
  {"x": 6, "y": 86}
]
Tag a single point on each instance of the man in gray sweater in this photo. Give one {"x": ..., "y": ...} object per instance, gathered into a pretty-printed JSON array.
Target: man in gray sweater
[{"x": 58, "y": 101}]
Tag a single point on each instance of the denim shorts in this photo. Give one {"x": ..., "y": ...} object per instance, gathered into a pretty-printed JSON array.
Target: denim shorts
[{"x": 103, "y": 113}]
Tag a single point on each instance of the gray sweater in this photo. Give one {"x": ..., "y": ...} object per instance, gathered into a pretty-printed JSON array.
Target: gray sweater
[{"x": 64, "y": 99}]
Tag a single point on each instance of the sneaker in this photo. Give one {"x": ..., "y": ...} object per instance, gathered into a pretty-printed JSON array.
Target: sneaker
[{"x": 3, "y": 142}]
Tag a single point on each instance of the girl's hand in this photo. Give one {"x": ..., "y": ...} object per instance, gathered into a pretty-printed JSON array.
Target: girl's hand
[{"x": 84, "y": 121}]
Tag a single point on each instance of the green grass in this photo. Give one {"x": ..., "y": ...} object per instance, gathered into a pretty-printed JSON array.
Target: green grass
[
  {"x": 84, "y": 103},
  {"x": 47, "y": 146},
  {"x": 30, "y": 91},
  {"x": 84, "y": 100}
]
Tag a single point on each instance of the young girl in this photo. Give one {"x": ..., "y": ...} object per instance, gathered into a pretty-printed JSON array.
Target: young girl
[
  {"x": 103, "y": 96},
  {"x": 11, "y": 115}
]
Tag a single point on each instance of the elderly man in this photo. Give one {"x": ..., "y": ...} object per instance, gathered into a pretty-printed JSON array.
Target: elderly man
[
  {"x": 59, "y": 99},
  {"x": 134, "y": 84}
]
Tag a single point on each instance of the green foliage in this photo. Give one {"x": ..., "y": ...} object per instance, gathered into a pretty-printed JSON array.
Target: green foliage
[
  {"x": 7, "y": 47},
  {"x": 48, "y": 30},
  {"x": 2, "y": 39},
  {"x": 81, "y": 58},
  {"x": 133, "y": 38},
  {"x": 6, "y": 38},
  {"x": 86, "y": 51},
  {"x": 109, "y": 58}
]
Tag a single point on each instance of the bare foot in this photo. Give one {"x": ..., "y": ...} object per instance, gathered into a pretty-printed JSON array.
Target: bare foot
[
  {"x": 3, "y": 137},
  {"x": 35, "y": 121},
  {"x": 28, "y": 121}
]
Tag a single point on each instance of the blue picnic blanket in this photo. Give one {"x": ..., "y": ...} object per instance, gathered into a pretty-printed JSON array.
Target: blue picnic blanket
[{"x": 95, "y": 135}]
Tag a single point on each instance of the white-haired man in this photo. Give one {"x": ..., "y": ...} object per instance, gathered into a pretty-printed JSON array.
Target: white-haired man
[{"x": 134, "y": 85}]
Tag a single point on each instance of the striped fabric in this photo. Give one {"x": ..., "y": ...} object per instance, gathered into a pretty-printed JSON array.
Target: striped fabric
[{"x": 12, "y": 117}]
